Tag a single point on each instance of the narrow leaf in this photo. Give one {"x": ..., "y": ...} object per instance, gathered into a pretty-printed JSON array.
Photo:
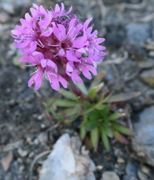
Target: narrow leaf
[
  {"x": 94, "y": 138},
  {"x": 115, "y": 116},
  {"x": 82, "y": 132},
  {"x": 98, "y": 79},
  {"x": 124, "y": 130},
  {"x": 68, "y": 94},
  {"x": 123, "y": 97},
  {"x": 82, "y": 88},
  {"x": 105, "y": 140},
  {"x": 64, "y": 103},
  {"x": 120, "y": 138},
  {"x": 94, "y": 90}
]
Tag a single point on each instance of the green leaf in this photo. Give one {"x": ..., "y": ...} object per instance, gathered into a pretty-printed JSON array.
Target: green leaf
[
  {"x": 68, "y": 94},
  {"x": 82, "y": 132},
  {"x": 105, "y": 140},
  {"x": 94, "y": 115},
  {"x": 49, "y": 103},
  {"x": 119, "y": 137},
  {"x": 64, "y": 103},
  {"x": 56, "y": 115},
  {"x": 123, "y": 97},
  {"x": 92, "y": 93},
  {"x": 120, "y": 128},
  {"x": 82, "y": 88},
  {"x": 90, "y": 125},
  {"x": 72, "y": 111},
  {"x": 116, "y": 116},
  {"x": 105, "y": 114},
  {"x": 98, "y": 79},
  {"x": 94, "y": 138}
]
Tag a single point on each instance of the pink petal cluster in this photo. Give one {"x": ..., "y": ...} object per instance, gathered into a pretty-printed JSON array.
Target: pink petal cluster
[{"x": 59, "y": 45}]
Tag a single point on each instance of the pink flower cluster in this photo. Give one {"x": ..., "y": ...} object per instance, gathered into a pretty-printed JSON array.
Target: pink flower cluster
[{"x": 59, "y": 45}]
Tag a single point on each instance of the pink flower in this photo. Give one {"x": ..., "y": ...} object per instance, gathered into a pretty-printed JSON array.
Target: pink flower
[{"x": 58, "y": 45}]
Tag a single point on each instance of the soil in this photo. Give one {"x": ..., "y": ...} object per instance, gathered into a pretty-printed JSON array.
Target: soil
[{"x": 27, "y": 130}]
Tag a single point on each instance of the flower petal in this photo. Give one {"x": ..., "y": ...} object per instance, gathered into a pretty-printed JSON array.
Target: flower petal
[
  {"x": 60, "y": 32},
  {"x": 36, "y": 79}
]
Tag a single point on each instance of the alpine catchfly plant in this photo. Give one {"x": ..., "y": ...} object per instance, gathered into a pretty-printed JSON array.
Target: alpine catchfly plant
[{"x": 58, "y": 45}]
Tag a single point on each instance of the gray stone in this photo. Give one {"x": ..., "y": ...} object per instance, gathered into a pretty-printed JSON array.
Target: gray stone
[
  {"x": 107, "y": 2},
  {"x": 11, "y": 5},
  {"x": 145, "y": 170},
  {"x": 129, "y": 177},
  {"x": 4, "y": 17},
  {"x": 108, "y": 175},
  {"x": 68, "y": 162},
  {"x": 148, "y": 77},
  {"x": 131, "y": 169},
  {"x": 22, "y": 153},
  {"x": 138, "y": 33},
  {"x": 143, "y": 140},
  {"x": 142, "y": 176}
]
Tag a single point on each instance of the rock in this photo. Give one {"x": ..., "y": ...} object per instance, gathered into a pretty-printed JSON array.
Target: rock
[
  {"x": 138, "y": 33},
  {"x": 13, "y": 173},
  {"x": 129, "y": 177},
  {"x": 120, "y": 160},
  {"x": 151, "y": 53},
  {"x": 142, "y": 176},
  {"x": 143, "y": 140},
  {"x": 42, "y": 138},
  {"x": 10, "y": 5},
  {"x": 145, "y": 170},
  {"x": 6, "y": 161},
  {"x": 22, "y": 153},
  {"x": 115, "y": 36},
  {"x": 131, "y": 169},
  {"x": 108, "y": 2},
  {"x": 108, "y": 175},
  {"x": 99, "y": 168},
  {"x": 148, "y": 77},
  {"x": 118, "y": 153},
  {"x": 133, "y": 1},
  {"x": 66, "y": 162},
  {"x": 145, "y": 64},
  {"x": 4, "y": 17}
]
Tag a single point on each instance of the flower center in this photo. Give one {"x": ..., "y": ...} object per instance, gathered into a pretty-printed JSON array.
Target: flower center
[{"x": 66, "y": 44}]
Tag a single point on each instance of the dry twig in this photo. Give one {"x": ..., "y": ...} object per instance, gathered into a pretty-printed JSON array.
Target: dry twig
[{"x": 39, "y": 156}]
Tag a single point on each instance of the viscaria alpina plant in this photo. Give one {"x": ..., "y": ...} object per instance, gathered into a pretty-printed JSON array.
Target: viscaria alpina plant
[
  {"x": 60, "y": 46},
  {"x": 96, "y": 118}
]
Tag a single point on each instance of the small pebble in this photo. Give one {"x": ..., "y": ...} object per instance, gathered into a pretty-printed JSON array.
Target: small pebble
[
  {"x": 151, "y": 53},
  {"x": 145, "y": 170},
  {"x": 110, "y": 175},
  {"x": 22, "y": 153},
  {"x": 20, "y": 160},
  {"x": 141, "y": 154},
  {"x": 29, "y": 140},
  {"x": 129, "y": 177},
  {"x": 21, "y": 168},
  {"x": 42, "y": 137},
  {"x": 120, "y": 160},
  {"x": 43, "y": 126},
  {"x": 99, "y": 167},
  {"x": 40, "y": 117},
  {"x": 36, "y": 141},
  {"x": 31, "y": 155},
  {"x": 142, "y": 176},
  {"x": 118, "y": 152},
  {"x": 4, "y": 17}
]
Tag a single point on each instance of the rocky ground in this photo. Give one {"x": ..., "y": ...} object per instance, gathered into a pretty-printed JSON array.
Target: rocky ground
[{"x": 27, "y": 132}]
